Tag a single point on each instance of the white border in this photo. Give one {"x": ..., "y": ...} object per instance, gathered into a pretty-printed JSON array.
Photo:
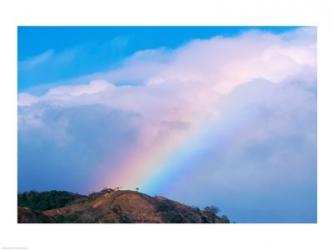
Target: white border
[{"x": 168, "y": 12}]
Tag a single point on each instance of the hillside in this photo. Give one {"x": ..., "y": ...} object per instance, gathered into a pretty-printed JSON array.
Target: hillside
[
  {"x": 109, "y": 206},
  {"x": 41, "y": 201}
]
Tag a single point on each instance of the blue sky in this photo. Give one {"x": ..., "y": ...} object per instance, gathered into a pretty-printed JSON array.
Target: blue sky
[
  {"x": 221, "y": 116},
  {"x": 83, "y": 50}
]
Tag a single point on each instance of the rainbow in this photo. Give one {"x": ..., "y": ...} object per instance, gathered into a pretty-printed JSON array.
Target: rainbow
[{"x": 153, "y": 165}]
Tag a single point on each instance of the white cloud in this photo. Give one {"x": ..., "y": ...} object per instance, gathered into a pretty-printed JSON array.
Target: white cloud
[
  {"x": 194, "y": 76},
  {"x": 26, "y": 99},
  {"x": 92, "y": 88},
  {"x": 35, "y": 61}
]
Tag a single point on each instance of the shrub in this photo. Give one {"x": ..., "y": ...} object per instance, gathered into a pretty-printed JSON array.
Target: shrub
[
  {"x": 41, "y": 201},
  {"x": 212, "y": 210}
]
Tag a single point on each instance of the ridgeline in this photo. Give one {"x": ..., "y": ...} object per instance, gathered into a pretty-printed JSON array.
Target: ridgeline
[{"x": 109, "y": 206}]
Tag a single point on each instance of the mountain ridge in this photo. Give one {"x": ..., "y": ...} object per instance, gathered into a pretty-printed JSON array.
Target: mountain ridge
[{"x": 109, "y": 206}]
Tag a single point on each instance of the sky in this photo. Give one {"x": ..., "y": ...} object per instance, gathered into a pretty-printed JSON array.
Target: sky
[{"x": 222, "y": 116}]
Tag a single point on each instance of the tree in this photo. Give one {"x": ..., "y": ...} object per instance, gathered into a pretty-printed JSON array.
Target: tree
[
  {"x": 41, "y": 201},
  {"x": 212, "y": 210},
  {"x": 137, "y": 189}
]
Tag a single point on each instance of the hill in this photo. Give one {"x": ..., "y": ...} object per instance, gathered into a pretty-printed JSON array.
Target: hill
[{"x": 109, "y": 206}]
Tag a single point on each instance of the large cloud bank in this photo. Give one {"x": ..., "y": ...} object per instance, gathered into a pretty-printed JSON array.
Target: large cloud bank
[{"x": 258, "y": 159}]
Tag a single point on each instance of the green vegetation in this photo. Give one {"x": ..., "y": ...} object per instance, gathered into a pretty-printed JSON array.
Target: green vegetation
[
  {"x": 212, "y": 210},
  {"x": 40, "y": 201}
]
